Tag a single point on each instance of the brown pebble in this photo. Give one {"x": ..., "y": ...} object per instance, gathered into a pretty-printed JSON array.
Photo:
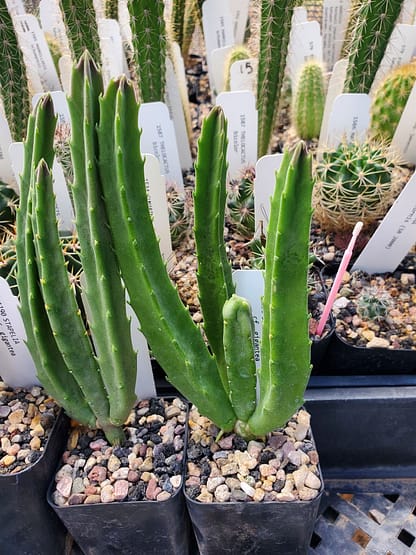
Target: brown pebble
[{"x": 92, "y": 499}]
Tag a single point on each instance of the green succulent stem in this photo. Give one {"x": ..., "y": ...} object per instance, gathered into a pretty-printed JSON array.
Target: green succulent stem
[{"x": 309, "y": 101}]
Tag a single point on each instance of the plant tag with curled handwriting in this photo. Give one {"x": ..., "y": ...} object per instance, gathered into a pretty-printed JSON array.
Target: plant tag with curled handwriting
[
  {"x": 243, "y": 75},
  {"x": 264, "y": 184},
  {"x": 158, "y": 138},
  {"x": 240, "y": 110},
  {"x": 394, "y": 237},
  {"x": 404, "y": 139},
  {"x": 17, "y": 366},
  {"x": 250, "y": 285},
  {"x": 335, "y": 14},
  {"x": 349, "y": 119}
]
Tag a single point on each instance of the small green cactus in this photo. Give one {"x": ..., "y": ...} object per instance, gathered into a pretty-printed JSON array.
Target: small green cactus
[
  {"x": 353, "y": 183},
  {"x": 240, "y": 203},
  {"x": 237, "y": 53},
  {"x": 373, "y": 303},
  {"x": 180, "y": 215},
  {"x": 390, "y": 99},
  {"x": 309, "y": 101}
]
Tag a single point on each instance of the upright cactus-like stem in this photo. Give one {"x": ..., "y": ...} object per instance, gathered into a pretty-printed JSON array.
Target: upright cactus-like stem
[
  {"x": 374, "y": 24},
  {"x": 309, "y": 101},
  {"x": 276, "y": 21},
  {"x": 149, "y": 47},
  {"x": 81, "y": 27},
  {"x": 14, "y": 90},
  {"x": 177, "y": 21},
  {"x": 214, "y": 271},
  {"x": 285, "y": 364}
]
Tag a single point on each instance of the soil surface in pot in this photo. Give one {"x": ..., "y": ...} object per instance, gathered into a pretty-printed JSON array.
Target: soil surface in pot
[
  {"x": 26, "y": 419},
  {"x": 377, "y": 311},
  {"x": 147, "y": 467},
  {"x": 283, "y": 467}
]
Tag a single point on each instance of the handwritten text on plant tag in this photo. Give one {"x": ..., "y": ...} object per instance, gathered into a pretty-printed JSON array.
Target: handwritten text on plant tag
[
  {"x": 239, "y": 13},
  {"x": 349, "y": 119},
  {"x": 394, "y": 237},
  {"x": 17, "y": 367},
  {"x": 334, "y": 24},
  {"x": 243, "y": 75},
  {"x": 158, "y": 138},
  {"x": 250, "y": 285},
  {"x": 240, "y": 110},
  {"x": 264, "y": 185}
]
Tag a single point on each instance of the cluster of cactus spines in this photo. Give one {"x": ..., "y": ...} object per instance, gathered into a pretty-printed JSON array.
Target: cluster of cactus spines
[
  {"x": 237, "y": 53},
  {"x": 390, "y": 99},
  {"x": 354, "y": 182},
  {"x": 373, "y": 303},
  {"x": 149, "y": 48},
  {"x": 240, "y": 203},
  {"x": 81, "y": 27},
  {"x": 63, "y": 150},
  {"x": 9, "y": 200},
  {"x": 276, "y": 23},
  {"x": 309, "y": 101},
  {"x": 111, "y": 9},
  {"x": 180, "y": 214},
  {"x": 14, "y": 89},
  {"x": 374, "y": 24}
]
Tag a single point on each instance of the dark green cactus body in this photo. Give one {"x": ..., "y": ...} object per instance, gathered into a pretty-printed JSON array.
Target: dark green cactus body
[
  {"x": 174, "y": 339},
  {"x": 276, "y": 22},
  {"x": 374, "y": 24},
  {"x": 14, "y": 89},
  {"x": 111, "y": 9},
  {"x": 214, "y": 271},
  {"x": 309, "y": 101},
  {"x": 81, "y": 27},
  {"x": 149, "y": 47},
  {"x": 286, "y": 353}
]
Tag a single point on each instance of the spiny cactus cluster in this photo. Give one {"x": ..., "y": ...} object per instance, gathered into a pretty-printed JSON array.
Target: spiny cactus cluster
[
  {"x": 180, "y": 214},
  {"x": 240, "y": 203},
  {"x": 309, "y": 101},
  {"x": 373, "y": 303},
  {"x": 390, "y": 99},
  {"x": 9, "y": 201},
  {"x": 353, "y": 183}
]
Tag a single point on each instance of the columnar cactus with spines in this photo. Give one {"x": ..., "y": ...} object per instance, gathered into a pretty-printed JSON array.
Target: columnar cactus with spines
[
  {"x": 309, "y": 101},
  {"x": 81, "y": 27},
  {"x": 14, "y": 90},
  {"x": 390, "y": 100},
  {"x": 149, "y": 48},
  {"x": 276, "y": 22},
  {"x": 374, "y": 24},
  {"x": 179, "y": 209},
  {"x": 354, "y": 182},
  {"x": 177, "y": 19}
]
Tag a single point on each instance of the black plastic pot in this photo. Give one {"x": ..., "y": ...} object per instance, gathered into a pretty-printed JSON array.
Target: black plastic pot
[
  {"x": 365, "y": 435},
  {"x": 131, "y": 527},
  {"x": 283, "y": 528},
  {"x": 28, "y": 526}
]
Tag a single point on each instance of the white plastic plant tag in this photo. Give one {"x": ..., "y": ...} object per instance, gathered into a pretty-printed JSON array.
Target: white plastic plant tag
[
  {"x": 175, "y": 102},
  {"x": 240, "y": 110},
  {"x": 158, "y": 138},
  {"x": 305, "y": 45},
  {"x": 15, "y": 7},
  {"x": 408, "y": 14},
  {"x": 145, "y": 382},
  {"x": 394, "y": 237},
  {"x": 124, "y": 20},
  {"x": 65, "y": 65},
  {"x": 404, "y": 139},
  {"x": 6, "y": 172},
  {"x": 60, "y": 106},
  {"x": 400, "y": 49},
  {"x": 264, "y": 184},
  {"x": 158, "y": 206},
  {"x": 112, "y": 53},
  {"x": 64, "y": 210},
  {"x": 349, "y": 119},
  {"x": 38, "y": 59},
  {"x": 16, "y": 156},
  {"x": 243, "y": 75},
  {"x": 99, "y": 6},
  {"x": 250, "y": 285},
  {"x": 239, "y": 14},
  {"x": 300, "y": 15},
  {"x": 335, "y": 14},
  {"x": 17, "y": 367},
  {"x": 217, "y": 74},
  {"x": 335, "y": 88},
  {"x": 53, "y": 24}
]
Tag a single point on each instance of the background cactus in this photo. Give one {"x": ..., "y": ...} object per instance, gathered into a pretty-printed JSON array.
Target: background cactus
[
  {"x": 354, "y": 182},
  {"x": 149, "y": 48},
  {"x": 111, "y": 9},
  {"x": 177, "y": 20},
  {"x": 275, "y": 26},
  {"x": 180, "y": 214},
  {"x": 240, "y": 204},
  {"x": 237, "y": 53},
  {"x": 374, "y": 24},
  {"x": 390, "y": 99},
  {"x": 8, "y": 204},
  {"x": 373, "y": 303},
  {"x": 81, "y": 27},
  {"x": 14, "y": 90},
  {"x": 309, "y": 101}
]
